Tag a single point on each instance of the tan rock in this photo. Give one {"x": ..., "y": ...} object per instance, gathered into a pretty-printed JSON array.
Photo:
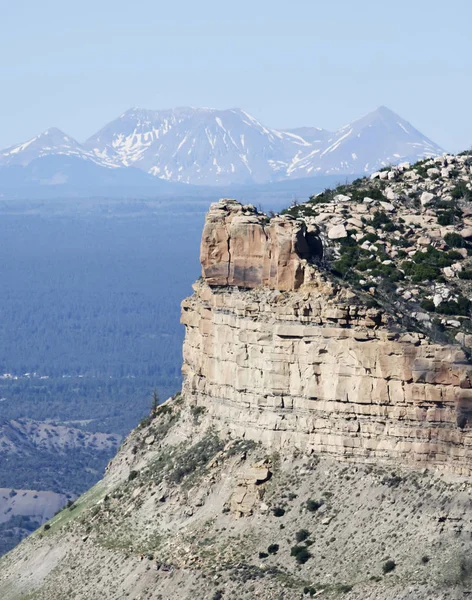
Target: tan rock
[
  {"x": 337, "y": 232},
  {"x": 329, "y": 383},
  {"x": 243, "y": 249},
  {"x": 466, "y": 233}
]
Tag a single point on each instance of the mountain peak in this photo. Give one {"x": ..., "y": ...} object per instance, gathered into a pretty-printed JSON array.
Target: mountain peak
[{"x": 212, "y": 146}]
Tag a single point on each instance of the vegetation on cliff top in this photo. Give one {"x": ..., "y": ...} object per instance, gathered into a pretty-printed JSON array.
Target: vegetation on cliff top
[{"x": 404, "y": 237}]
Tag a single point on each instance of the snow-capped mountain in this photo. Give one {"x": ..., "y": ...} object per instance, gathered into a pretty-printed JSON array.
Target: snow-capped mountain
[
  {"x": 53, "y": 163},
  {"x": 51, "y": 142},
  {"x": 220, "y": 147},
  {"x": 198, "y": 145},
  {"x": 379, "y": 139},
  {"x": 204, "y": 146}
]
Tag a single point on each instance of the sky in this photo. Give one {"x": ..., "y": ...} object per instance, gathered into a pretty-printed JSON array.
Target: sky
[{"x": 78, "y": 65}]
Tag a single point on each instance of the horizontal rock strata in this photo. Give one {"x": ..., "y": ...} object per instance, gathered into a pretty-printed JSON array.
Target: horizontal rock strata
[{"x": 314, "y": 370}]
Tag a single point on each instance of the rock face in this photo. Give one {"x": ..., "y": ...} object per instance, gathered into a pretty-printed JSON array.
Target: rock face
[
  {"x": 240, "y": 248},
  {"x": 313, "y": 368}
]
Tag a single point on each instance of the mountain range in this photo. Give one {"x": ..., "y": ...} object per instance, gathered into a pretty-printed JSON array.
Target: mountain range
[{"x": 152, "y": 149}]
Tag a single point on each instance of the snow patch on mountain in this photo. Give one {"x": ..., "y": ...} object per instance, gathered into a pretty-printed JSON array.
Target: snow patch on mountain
[{"x": 206, "y": 146}]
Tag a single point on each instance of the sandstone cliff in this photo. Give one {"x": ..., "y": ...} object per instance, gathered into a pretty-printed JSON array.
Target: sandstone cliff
[
  {"x": 241, "y": 247},
  {"x": 306, "y": 363}
]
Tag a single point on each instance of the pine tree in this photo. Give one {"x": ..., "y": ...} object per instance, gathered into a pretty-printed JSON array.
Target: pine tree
[{"x": 155, "y": 403}]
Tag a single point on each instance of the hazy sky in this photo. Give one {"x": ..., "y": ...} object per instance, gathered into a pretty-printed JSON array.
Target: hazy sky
[{"x": 78, "y": 64}]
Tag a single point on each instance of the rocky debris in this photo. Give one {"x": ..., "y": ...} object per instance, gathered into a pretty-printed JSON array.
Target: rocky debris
[
  {"x": 405, "y": 227},
  {"x": 241, "y": 247},
  {"x": 154, "y": 551},
  {"x": 249, "y": 490},
  {"x": 254, "y": 475}
]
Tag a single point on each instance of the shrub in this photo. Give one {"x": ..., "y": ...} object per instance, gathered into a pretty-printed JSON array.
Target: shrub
[
  {"x": 451, "y": 307},
  {"x": 278, "y": 511},
  {"x": 195, "y": 458},
  {"x": 370, "y": 237},
  {"x": 366, "y": 264},
  {"x": 454, "y": 240},
  {"x": 375, "y": 194},
  {"x": 344, "y": 588},
  {"x": 302, "y": 535},
  {"x": 381, "y": 218},
  {"x": 425, "y": 559},
  {"x": 314, "y": 505},
  {"x": 425, "y": 273},
  {"x": 263, "y": 555},
  {"x": 300, "y": 553},
  {"x": 132, "y": 475},
  {"x": 273, "y": 549},
  {"x": 389, "y": 566},
  {"x": 428, "y": 305},
  {"x": 446, "y": 217},
  {"x": 47, "y": 526},
  {"x": 459, "y": 191},
  {"x": 465, "y": 274}
]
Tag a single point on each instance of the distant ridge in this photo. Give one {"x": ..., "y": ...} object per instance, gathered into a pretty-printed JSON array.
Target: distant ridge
[{"x": 211, "y": 147}]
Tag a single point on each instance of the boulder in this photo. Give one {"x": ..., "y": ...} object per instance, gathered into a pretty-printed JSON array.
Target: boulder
[
  {"x": 387, "y": 206},
  {"x": 337, "y": 232},
  {"x": 426, "y": 198},
  {"x": 466, "y": 233},
  {"x": 342, "y": 198}
]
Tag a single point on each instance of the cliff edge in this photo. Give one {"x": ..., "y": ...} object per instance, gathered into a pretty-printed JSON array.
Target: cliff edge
[{"x": 280, "y": 351}]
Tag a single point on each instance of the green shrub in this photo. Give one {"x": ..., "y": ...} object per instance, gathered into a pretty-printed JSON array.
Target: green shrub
[
  {"x": 302, "y": 535},
  {"x": 454, "y": 240},
  {"x": 278, "y": 511},
  {"x": 459, "y": 191},
  {"x": 366, "y": 264},
  {"x": 323, "y": 198},
  {"x": 263, "y": 555},
  {"x": 300, "y": 553},
  {"x": 370, "y": 237},
  {"x": 273, "y": 549},
  {"x": 343, "y": 588},
  {"x": 375, "y": 194},
  {"x": 451, "y": 307},
  {"x": 428, "y": 305},
  {"x": 465, "y": 274},
  {"x": 446, "y": 217},
  {"x": 47, "y": 526},
  {"x": 425, "y": 559},
  {"x": 314, "y": 505},
  {"x": 132, "y": 475},
  {"x": 425, "y": 273},
  {"x": 380, "y": 219},
  {"x": 453, "y": 256},
  {"x": 195, "y": 458},
  {"x": 389, "y": 566}
]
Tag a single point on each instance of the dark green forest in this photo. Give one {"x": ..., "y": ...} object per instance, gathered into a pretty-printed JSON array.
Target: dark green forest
[{"x": 91, "y": 305}]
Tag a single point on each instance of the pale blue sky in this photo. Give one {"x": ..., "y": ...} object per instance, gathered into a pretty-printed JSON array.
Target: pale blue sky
[{"x": 78, "y": 64}]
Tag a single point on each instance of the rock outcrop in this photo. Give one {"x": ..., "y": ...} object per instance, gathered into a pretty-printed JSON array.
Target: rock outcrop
[
  {"x": 241, "y": 247},
  {"x": 309, "y": 365}
]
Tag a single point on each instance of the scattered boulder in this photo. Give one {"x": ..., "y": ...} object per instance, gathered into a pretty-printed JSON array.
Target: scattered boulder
[
  {"x": 426, "y": 198},
  {"x": 337, "y": 232}
]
